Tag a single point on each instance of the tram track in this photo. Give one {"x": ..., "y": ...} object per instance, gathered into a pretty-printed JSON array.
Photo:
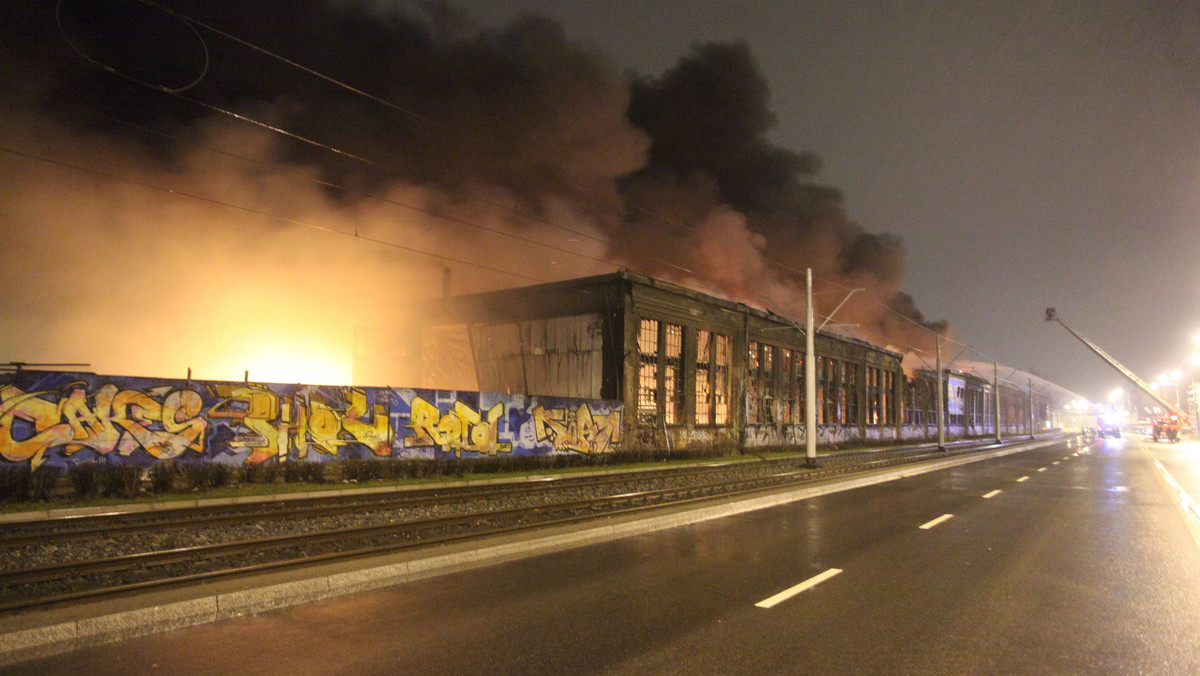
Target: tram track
[
  {"x": 109, "y": 524},
  {"x": 417, "y": 519}
]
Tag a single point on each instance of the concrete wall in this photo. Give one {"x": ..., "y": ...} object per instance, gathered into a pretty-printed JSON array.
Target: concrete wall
[{"x": 61, "y": 418}]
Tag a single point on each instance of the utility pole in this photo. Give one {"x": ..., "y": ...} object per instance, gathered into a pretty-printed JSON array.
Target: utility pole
[
  {"x": 996, "y": 397},
  {"x": 810, "y": 378},
  {"x": 941, "y": 393},
  {"x": 1031, "y": 408}
]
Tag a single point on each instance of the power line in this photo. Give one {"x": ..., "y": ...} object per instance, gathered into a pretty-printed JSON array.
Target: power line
[
  {"x": 259, "y": 212},
  {"x": 194, "y": 23}
]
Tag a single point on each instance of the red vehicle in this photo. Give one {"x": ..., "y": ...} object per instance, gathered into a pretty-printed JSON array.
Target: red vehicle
[{"x": 1166, "y": 427}]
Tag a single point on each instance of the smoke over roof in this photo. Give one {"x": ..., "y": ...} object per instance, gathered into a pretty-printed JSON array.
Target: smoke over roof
[{"x": 172, "y": 174}]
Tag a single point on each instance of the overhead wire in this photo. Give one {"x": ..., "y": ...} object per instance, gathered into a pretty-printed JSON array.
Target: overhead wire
[
  {"x": 258, "y": 212},
  {"x": 193, "y": 24}
]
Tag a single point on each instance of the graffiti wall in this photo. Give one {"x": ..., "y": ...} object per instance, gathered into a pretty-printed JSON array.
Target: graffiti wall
[{"x": 62, "y": 418}]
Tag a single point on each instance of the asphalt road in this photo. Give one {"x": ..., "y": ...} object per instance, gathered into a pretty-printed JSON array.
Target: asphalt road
[{"x": 1061, "y": 560}]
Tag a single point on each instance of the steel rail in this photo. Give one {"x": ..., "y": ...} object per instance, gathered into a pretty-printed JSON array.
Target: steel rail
[
  {"x": 509, "y": 520},
  {"x": 109, "y": 524}
]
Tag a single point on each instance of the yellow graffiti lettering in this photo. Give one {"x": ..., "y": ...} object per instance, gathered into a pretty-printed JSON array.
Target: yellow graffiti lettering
[
  {"x": 257, "y": 409},
  {"x": 376, "y": 434},
  {"x": 462, "y": 429},
  {"x": 424, "y": 419},
  {"x": 323, "y": 428},
  {"x": 115, "y": 420},
  {"x": 579, "y": 430},
  {"x": 41, "y": 414}
]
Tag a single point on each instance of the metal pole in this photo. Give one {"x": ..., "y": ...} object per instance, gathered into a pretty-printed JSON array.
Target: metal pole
[
  {"x": 810, "y": 378},
  {"x": 941, "y": 419},
  {"x": 1031, "y": 408},
  {"x": 996, "y": 396}
]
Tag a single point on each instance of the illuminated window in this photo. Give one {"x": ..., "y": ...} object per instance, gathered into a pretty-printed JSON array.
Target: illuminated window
[
  {"x": 760, "y": 384},
  {"x": 673, "y": 374},
  {"x": 713, "y": 352},
  {"x": 704, "y": 377},
  {"x": 722, "y": 356},
  {"x": 660, "y": 372},
  {"x": 648, "y": 370},
  {"x": 792, "y": 398},
  {"x": 849, "y": 394},
  {"x": 766, "y": 406},
  {"x": 753, "y": 375},
  {"x": 787, "y": 397},
  {"x": 878, "y": 385},
  {"x": 829, "y": 392}
]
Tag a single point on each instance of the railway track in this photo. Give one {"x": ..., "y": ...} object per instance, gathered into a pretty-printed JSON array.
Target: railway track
[
  {"x": 110, "y": 524},
  {"x": 393, "y": 523}
]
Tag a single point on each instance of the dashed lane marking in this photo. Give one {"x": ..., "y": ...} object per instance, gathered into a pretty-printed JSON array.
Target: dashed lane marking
[
  {"x": 1041, "y": 469},
  {"x": 792, "y": 591},
  {"x": 1024, "y": 478},
  {"x": 930, "y": 524},
  {"x": 992, "y": 494}
]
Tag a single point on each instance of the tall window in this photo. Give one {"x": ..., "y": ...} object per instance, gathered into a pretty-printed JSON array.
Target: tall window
[
  {"x": 791, "y": 395},
  {"x": 872, "y": 402},
  {"x": 673, "y": 374},
  {"x": 766, "y": 402},
  {"x": 760, "y": 384},
  {"x": 787, "y": 397},
  {"x": 829, "y": 380},
  {"x": 822, "y": 378},
  {"x": 887, "y": 386},
  {"x": 712, "y": 378},
  {"x": 722, "y": 358},
  {"x": 849, "y": 387},
  {"x": 648, "y": 370},
  {"x": 753, "y": 383},
  {"x": 920, "y": 409},
  {"x": 660, "y": 372},
  {"x": 879, "y": 396}
]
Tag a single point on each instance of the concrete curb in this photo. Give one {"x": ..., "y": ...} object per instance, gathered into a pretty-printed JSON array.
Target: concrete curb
[{"x": 60, "y": 637}]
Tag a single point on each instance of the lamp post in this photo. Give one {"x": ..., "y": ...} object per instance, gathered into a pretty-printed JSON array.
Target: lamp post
[{"x": 810, "y": 378}]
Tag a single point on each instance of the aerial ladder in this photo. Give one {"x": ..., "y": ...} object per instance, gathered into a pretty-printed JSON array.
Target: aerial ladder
[{"x": 1164, "y": 426}]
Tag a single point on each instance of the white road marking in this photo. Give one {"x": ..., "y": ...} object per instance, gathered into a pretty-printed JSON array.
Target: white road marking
[
  {"x": 992, "y": 494},
  {"x": 931, "y": 524},
  {"x": 1024, "y": 478},
  {"x": 789, "y": 593},
  {"x": 1041, "y": 469},
  {"x": 1191, "y": 512},
  {"x": 1054, "y": 463}
]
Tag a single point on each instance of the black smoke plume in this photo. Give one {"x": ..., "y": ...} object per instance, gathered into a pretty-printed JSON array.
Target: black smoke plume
[{"x": 306, "y": 165}]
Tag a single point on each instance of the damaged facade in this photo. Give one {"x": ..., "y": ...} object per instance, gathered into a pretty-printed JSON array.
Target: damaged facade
[{"x": 690, "y": 370}]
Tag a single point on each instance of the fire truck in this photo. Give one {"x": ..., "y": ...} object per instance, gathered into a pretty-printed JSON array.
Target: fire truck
[{"x": 1166, "y": 426}]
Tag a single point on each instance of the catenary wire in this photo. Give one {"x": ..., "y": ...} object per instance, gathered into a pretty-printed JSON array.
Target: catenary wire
[{"x": 194, "y": 23}]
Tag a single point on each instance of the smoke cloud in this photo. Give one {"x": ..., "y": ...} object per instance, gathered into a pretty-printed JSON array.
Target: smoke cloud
[{"x": 175, "y": 197}]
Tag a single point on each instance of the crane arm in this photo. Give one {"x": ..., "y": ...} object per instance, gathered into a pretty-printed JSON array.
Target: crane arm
[{"x": 1052, "y": 316}]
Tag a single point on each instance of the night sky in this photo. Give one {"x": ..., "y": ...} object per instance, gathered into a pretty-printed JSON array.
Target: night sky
[
  {"x": 1028, "y": 154},
  {"x": 969, "y": 164}
]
